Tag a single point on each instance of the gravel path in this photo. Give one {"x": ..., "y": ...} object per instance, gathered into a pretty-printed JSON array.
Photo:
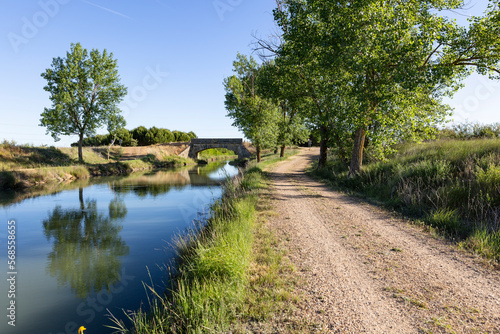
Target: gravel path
[{"x": 365, "y": 271}]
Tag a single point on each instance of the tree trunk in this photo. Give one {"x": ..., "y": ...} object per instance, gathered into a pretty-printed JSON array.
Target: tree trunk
[
  {"x": 80, "y": 197},
  {"x": 282, "y": 153},
  {"x": 80, "y": 149},
  {"x": 110, "y": 145},
  {"x": 258, "y": 153},
  {"x": 323, "y": 148},
  {"x": 357, "y": 152}
]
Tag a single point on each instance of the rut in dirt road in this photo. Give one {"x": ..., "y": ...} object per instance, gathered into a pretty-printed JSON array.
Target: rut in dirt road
[{"x": 365, "y": 271}]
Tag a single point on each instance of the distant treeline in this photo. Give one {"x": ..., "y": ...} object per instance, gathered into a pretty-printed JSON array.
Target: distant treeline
[
  {"x": 140, "y": 136},
  {"x": 470, "y": 130}
]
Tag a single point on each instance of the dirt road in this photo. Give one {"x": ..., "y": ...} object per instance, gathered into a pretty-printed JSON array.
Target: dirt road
[{"x": 365, "y": 271}]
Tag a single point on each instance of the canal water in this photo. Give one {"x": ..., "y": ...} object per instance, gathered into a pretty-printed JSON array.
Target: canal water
[{"x": 83, "y": 253}]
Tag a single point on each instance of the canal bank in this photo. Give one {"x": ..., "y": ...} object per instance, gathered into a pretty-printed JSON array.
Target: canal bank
[
  {"x": 26, "y": 167},
  {"x": 228, "y": 271},
  {"x": 86, "y": 250}
]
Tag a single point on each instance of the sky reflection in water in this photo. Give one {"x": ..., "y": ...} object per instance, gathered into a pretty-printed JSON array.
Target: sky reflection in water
[{"x": 85, "y": 250}]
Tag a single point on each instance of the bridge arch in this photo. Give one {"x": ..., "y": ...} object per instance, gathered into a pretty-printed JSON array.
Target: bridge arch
[{"x": 235, "y": 145}]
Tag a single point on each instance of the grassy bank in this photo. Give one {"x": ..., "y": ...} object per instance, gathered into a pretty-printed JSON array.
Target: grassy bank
[
  {"x": 451, "y": 185},
  {"x": 229, "y": 271},
  {"x": 26, "y": 166}
]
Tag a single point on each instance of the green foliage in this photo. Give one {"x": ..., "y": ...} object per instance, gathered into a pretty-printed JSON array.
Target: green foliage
[
  {"x": 252, "y": 179},
  {"x": 376, "y": 71},
  {"x": 125, "y": 138},
  {"x": 445, "y": 220},
  {"x": 256, "y": 116},
  {"x": 489, "y": 182},
  {"x": 453, "y": 185},
  {"x": 278, "y": 83},
  {"x": 140, "y": 136},
  {"x": 158, "y": 136},
  {"x": 7, "y": 180},
  {"x": 467, "y": 131},
  {"x": 180, "y": 136},
  {"x": 216, "y": 152},
  {"x": 84, "y": 90},
  {"x": 209, "y": 288},
  {"x": 485, "y": 243}
]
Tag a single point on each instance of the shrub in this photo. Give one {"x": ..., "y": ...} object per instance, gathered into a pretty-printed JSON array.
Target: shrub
[
  {"x": 489, "y": 180},
  {"x": 467, "y": 131},
  {"x": 7, "y": 180},
  {"x": 139, "y": 134}
]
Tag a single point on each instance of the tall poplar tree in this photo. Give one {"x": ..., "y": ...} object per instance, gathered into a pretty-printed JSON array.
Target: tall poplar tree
[
  {"x": 256, "y": 116},
  {"x": 396, "y": 61},
  {"x": 85, "y": 90},
  {"x": 279, "y": 84}
]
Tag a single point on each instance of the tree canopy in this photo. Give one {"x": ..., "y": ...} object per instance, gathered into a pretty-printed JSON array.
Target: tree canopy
[
  {"x": 140, "y": 136},
  {"x": 373, "y": 71},
  {"x": 85, "y": 90},
  {"x": 256, "y": 116}
]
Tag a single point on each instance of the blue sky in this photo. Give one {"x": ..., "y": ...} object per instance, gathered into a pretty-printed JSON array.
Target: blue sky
[{"x": 172, "y": 56}]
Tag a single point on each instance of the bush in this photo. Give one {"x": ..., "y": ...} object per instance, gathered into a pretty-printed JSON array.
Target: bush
[
  {"x": 140, "y": 136},
  {"x": 126, "y": 138},
  {"x": 7, "y": 180},
  {"x": 467, "y": 131},
  {"x": 158, "y": 136},
  {"x": 183, "y": 137}
]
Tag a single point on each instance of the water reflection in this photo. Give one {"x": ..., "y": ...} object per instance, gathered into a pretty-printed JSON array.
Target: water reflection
[
  {"x": 87, "y": 248},
  {"x": 79, "y": 239},
  {"x": 161, "y": 182}
]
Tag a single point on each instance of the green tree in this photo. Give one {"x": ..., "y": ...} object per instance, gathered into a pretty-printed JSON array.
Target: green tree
[
  {"x": 396, "y": 60},
  {"x": 303, "y": 81},
  {"x": 192, "y": 135},
  {"x": 87, "y": 248},
  {"x": 278, "y": 83},
  {"x": 158, "y": 136},
  {"x": 126, "y": 137},
  {"x": 116, "y": 123},
  {"x": 166, "y": 136},
  {"x": 256, "y": 116},
  {"x": 85, "y": 90},
  {"x": 139, "y": 134},
  {"x": 181, "y": 136}
]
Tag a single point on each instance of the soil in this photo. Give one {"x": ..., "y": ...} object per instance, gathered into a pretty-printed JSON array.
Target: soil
[
  {"x": 138, "y": 152},
  {"x": 364, "y": 270}
]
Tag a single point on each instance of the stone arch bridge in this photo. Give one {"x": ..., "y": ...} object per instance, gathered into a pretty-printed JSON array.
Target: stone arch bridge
[{"x": 200, "y": 144}]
